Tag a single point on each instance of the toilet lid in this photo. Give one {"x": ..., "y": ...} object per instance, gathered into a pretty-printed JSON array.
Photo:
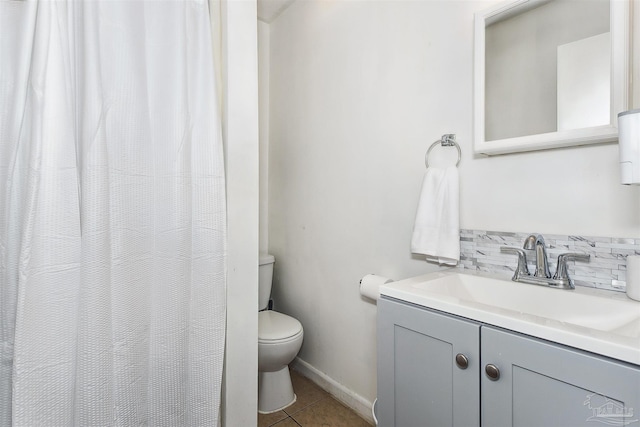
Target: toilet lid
[{"x": 273, "y": 326}]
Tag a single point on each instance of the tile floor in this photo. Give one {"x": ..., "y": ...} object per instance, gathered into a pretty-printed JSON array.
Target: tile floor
[{"x": 313, "y": 408}]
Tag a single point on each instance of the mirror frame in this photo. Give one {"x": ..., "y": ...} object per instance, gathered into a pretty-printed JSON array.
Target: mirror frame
[{"x": 620, "y": 71}]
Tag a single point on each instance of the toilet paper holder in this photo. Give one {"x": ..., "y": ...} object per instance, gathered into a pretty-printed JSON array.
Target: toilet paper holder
[{"x": 370, "y": 286}]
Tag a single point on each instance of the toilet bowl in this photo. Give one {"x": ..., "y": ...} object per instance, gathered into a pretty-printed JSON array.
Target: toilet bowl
[{"x": 279, "y": 340}]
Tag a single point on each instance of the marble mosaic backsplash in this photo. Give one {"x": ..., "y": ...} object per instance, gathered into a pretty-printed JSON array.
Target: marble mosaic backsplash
[{"x": 480, "y": 250}]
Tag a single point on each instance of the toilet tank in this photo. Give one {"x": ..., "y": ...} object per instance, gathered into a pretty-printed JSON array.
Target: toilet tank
[{"x": 265, "y": 276}]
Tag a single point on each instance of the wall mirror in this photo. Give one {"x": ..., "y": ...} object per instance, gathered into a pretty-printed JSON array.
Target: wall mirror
[{"x": 549, "y": 74}]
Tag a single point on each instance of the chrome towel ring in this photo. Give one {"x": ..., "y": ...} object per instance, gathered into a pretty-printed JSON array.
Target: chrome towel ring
[{"x": 447, "y": 140}]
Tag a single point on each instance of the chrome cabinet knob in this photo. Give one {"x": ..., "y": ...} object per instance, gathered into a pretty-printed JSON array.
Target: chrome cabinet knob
[
  {"x": 462, "y": 361},
  {"x": 492, "y": 372}
]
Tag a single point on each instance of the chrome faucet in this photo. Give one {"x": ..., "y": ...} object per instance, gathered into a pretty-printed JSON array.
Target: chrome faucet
[
  {"x": 536, "y": 243},
  {"x": 542, "y": 276}
]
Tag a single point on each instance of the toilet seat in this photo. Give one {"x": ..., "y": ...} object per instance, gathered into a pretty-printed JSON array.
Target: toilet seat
[{"x": 277, "y": 327}]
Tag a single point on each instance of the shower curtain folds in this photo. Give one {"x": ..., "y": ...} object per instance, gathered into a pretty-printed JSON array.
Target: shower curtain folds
[{"x": 112, "y": 215}]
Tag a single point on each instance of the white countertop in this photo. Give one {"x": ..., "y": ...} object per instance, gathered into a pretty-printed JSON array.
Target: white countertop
[{"x": 602, "y": 322}]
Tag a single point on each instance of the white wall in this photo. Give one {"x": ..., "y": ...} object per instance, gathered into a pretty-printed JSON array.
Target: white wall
[
  {"x": 358, "y": 92},
  {"x": 263, "y": 96},
  {"x": 240, "y": 126}
]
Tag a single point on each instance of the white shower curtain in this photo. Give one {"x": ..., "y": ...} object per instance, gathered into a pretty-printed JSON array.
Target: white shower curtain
[{"x": 112, "y": 215}]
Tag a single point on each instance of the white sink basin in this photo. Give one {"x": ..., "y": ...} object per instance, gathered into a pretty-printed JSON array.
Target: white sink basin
[{"x": 602, "y": 322}]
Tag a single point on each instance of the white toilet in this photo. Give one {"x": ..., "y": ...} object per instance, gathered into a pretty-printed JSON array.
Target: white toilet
[{"x": 279, "y": 340}]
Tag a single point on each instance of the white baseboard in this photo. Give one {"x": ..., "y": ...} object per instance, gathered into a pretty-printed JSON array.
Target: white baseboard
[{"x": 351, "y": 399}]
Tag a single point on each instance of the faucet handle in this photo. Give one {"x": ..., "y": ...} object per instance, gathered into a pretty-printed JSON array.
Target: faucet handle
[
  {"x": 521, "y": 269},
  {"x": 561, "y": 271}
]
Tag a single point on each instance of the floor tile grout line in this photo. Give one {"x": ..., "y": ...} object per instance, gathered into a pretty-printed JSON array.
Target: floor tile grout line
[
  {"x": 283, "y": 420},
  {"x": 304, "y": 408}
]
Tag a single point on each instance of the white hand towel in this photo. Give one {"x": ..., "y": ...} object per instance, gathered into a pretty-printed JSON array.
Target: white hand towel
[{"x": 436, "y": 233}]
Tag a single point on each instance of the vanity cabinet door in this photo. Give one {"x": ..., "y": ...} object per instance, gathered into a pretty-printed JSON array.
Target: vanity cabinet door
[
  {"x": 419, "y": 381},
  {"x": 546, "y": 384}
]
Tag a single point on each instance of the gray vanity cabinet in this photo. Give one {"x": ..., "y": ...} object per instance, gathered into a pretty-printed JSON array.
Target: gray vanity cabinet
[
  {"x": 419, "y": 382},
  {"x": 546, "y": 384},
  {"x": 511, "y": 379}
]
